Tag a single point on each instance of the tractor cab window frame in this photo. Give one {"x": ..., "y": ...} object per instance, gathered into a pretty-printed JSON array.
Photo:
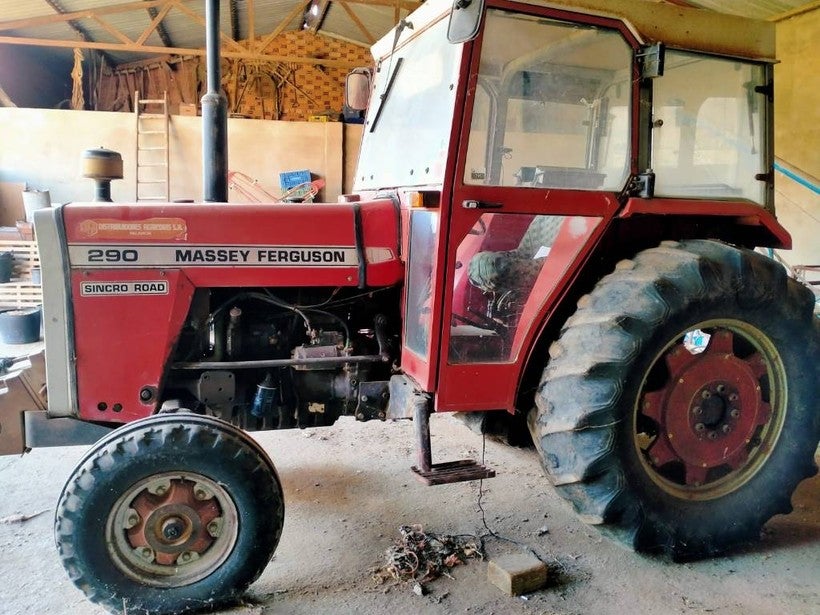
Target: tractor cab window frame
[
  {"x": 559, "y": 95},
  {"x": 710, "y": 128}
]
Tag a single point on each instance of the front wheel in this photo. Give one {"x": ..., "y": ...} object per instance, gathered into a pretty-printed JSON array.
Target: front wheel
[
  {"x": 169, "y": 514},
  {"x": 678, "y": 410}
]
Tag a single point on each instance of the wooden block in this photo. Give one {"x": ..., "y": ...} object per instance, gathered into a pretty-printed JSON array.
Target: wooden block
[{"x": 517, "y": 573}]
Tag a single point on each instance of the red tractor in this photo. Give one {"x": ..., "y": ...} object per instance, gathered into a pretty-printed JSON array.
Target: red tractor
[{"x": 554, "y": 220}]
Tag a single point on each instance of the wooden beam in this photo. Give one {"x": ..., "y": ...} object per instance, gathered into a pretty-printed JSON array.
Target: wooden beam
[
  {"x": 155, "y": 24},
  {"x": 244, "y": 54},
  {"x": 298, "y": 9},
  {"x": 113, "y": 31},
  {"x": 74, "y": 25},
  {"x": 148, "y": 62},
  {"x": 355, "y": 19},
  {"x": 407, "y": 5},
  {"x": 139, "y": 5},
  {"x": 30, "y": 22},
  {"x": 59, "y": 10},
  {"x": 201, "y": 21},
  {"x": 161, "y": 31}
]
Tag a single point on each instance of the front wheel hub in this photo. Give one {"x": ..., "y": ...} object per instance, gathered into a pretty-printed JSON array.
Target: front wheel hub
[{"x": 161, "y": 531}]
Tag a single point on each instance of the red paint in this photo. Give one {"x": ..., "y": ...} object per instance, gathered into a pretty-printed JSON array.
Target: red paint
[
  {"x": 709, "y": 408},
  {"x": 744, "y": 214},
  {"x": 123, "y": 343}
]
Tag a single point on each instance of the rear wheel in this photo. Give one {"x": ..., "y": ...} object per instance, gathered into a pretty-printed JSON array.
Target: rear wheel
[
  {"x": 678, "y": 409},
  {"x": 169, "y": 514}
]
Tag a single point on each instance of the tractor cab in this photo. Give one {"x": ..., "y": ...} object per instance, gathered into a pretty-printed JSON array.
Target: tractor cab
[{"x": 520, "y": 137}]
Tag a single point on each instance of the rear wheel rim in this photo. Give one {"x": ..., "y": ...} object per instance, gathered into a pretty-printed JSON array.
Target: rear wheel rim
[
  {"x": 707, "y": 419},
  {"x": 172, "y": 529}
]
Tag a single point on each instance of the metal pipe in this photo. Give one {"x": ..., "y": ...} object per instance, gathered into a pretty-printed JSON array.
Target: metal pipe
[
  {"x": 103, "y": 190},
  {"x": 329, "y": 361},
  {"x": 214, "y": 116},
  {"x": 421, "y": 425}
]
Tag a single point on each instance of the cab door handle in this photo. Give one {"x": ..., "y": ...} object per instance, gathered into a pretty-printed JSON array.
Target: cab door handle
[{"x": 471, "y": 204}]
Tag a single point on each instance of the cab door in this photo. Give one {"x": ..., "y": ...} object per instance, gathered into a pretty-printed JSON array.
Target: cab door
[{"x": 546, "y": 148}]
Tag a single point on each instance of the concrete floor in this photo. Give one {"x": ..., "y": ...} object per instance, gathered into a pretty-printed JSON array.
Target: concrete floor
[{"x": 348, "y": 489}]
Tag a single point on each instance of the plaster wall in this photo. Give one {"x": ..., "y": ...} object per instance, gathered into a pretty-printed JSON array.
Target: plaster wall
[
  {"x": 797, "y": 92},
  {"x": 798, "y": 209},
  {"x": 43, "y": 149},
  {"x": 353, "y": 142},
  {"x": 797, "y": 133}
]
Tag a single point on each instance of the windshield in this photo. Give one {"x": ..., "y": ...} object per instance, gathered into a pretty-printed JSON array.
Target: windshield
[
  {"x": 553, "y": 106},
  {"x": 407, "y": 129}
]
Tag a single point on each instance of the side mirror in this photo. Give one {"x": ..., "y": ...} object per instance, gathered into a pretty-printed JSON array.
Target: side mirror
[
  {"x": 357, "y": 89},
  {"x": 465, "y": 20}
]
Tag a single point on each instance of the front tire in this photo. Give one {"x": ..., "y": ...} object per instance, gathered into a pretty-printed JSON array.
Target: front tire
[
  {"x": 671, "y": 445},
  {"x": 169, "y": 514}
]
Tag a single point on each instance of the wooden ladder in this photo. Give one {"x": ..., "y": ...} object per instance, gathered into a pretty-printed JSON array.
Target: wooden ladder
[{"x": 152, "y": 156}]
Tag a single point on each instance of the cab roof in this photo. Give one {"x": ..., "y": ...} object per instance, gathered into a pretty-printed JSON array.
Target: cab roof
[{"x": 651, "y": 21}]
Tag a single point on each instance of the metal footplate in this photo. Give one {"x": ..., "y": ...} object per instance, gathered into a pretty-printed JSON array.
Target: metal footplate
[
  {"x": 440, "y": 473},
  {"x": 453, "y": 472}
]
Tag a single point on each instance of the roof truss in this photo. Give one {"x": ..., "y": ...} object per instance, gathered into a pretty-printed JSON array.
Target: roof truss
[{"x": 158, "y": 10}]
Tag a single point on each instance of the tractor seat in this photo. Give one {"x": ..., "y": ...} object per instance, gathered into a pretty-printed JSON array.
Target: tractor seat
[{"x": 498, "y": 272}]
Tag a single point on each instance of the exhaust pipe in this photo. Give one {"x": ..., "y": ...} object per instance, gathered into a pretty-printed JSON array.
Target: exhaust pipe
[{"x": 214, "y": 116}]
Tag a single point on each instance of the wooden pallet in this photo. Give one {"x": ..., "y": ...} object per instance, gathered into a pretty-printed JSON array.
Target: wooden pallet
[{"x": 20, "y": 291}]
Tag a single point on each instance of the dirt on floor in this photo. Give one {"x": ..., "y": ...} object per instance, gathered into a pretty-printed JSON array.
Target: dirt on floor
[{"x": 348, "y": 489}]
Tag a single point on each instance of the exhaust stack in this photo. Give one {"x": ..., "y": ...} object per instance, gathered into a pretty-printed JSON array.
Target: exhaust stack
[{"x": 214, "y": 116}]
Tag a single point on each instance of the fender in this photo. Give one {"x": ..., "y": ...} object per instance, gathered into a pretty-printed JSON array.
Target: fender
[
  {"x": 636, "y": 227},
  {"x": 750, "y": 223}
]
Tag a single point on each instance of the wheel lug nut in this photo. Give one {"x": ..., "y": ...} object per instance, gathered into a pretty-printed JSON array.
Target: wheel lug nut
[
  {"x": 705, "y": 394},
  {"x": 713, "y": 435},
  {"x": 187, "y": 557},
  {"x": 131, "y": 519},
  {"x": 733, "y": 397},
  {"x": 720, "y": 388},
  {"x": 700, "y": 427},
  {"x": 146, "y": 553},
  {"x": 215, "y": 528},
  {"x": 726, "y": 429},
  {"x": 201, "y": 492},
  {"x": 697, "y": 410},
  {"x": 734, "y": 413}
]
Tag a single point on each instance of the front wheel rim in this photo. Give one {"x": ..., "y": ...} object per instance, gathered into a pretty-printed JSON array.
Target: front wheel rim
[
  {"x": 708, "y": 416},
  {"x": 172, "y": 529}
]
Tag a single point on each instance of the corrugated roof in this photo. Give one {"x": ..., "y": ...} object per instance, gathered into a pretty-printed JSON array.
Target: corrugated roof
[
  {"x": 374, "y": 20},
  {"x": 755, "y": 9}
]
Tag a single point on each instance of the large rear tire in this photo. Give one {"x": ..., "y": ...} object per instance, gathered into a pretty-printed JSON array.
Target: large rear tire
[
  {"x": 684, "y": 444},
  {"x": 169, "y": 514}
]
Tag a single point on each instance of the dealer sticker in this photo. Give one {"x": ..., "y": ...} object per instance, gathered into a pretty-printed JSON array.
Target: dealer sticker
[{"x": 107, "y": 289}]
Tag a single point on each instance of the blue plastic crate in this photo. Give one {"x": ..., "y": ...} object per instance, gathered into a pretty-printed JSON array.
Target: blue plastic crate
[{"x": 290, "y": 179}]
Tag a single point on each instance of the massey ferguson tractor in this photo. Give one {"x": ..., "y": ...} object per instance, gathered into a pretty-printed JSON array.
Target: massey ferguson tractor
[{"x": 554, "y": 221}]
